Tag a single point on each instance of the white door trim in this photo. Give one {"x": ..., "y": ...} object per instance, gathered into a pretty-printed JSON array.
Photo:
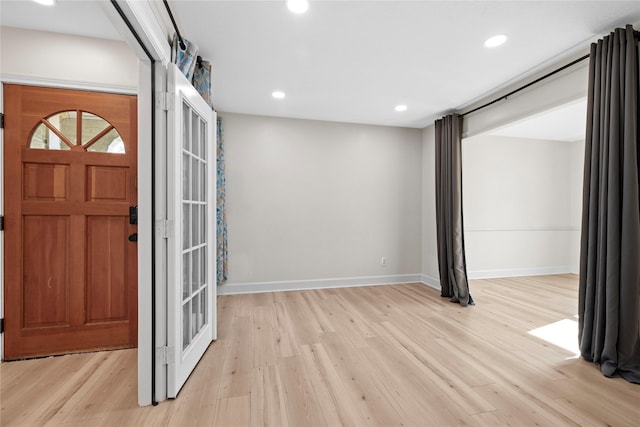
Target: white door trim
[
  {"x": 2, "y": 213},
  {"x": 155, "y": 40},
  {"x": 67, "y": 84}
]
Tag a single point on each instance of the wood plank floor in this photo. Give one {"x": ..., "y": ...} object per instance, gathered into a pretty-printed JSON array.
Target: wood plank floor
[{"x": 385, "y": 355}]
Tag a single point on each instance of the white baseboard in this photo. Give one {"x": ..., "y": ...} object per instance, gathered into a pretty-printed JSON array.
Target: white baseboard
[
  {"x": 348, "y": 282},
  {"x": 430, "y": 281},
  {"x": 523, "y": 228},
  {"x": 300, "y": 285},
  {"x": 518, "y": 272}
]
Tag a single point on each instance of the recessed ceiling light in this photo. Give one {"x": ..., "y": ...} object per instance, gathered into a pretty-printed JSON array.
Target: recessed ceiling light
[
  {"x": 401, "y": 108},
  {"x": 495, "y": 40},
  {"x": 278, "y": 94},
  {"x": 46, "y": 2},
  {"x": 298, "y": 6}
]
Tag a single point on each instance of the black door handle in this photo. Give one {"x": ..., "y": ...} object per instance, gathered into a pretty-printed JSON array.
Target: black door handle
[
  {"x": 133, "y": 215},
  {"x": 133, "y": 237}
]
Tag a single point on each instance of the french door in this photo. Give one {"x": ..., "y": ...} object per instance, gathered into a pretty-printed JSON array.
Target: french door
[{"x": 191, "y": 168}]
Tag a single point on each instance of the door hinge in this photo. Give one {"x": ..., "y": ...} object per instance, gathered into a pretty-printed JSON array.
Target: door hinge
[
  {"x": 164, "y": 355},
  {"x": 1, "y": 120},
  {"x": 164, "y": 228},
  {"x": 2, "y": 223},
  {"x": 2, "y": 326},
  {"x": 164, "y": 101}
]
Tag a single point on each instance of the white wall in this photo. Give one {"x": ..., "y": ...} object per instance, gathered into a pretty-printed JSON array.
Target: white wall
[
  {"x": 519, "y": 205},
  {"x": 576, "y": 156},
  {"x": 309, "y": 200},
  {"x": 60, "y": 58}
]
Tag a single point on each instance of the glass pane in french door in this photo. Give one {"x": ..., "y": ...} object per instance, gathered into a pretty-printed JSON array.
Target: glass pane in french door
[{"x": 194, "y": 212}]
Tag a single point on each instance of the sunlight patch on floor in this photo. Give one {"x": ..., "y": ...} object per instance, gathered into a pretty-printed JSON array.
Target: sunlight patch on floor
[{"x": 563, "y": 334}]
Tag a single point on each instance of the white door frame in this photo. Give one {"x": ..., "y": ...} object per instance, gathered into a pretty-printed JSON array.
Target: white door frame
[
  {"x": 151, "y": 41},
  {"x": 2, "y": 214}
]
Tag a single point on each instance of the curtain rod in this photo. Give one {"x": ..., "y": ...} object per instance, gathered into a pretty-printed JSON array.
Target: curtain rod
[
  {"x": 175, "y": 26},
  {"x": 539, "y": 79},
  {"x": 564, "y": 67}
]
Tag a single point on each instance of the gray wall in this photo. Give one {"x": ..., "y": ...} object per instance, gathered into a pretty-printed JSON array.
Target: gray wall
[
  {"x": 313, "y": 200},
  {"x": 429, "y": 246}
]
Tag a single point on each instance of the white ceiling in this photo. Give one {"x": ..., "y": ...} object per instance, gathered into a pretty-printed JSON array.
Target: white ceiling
[
  {"x": 353, "y": 61},
  {"x": 82, "y": 18},
  {"x": 565, "y": 123}
]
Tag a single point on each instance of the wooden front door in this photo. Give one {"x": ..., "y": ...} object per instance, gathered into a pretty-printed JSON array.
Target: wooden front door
[{"x": 70, "y": 179}]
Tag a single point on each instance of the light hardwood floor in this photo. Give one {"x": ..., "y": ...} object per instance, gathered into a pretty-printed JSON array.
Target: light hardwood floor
[{"x": 384, "y": 355}]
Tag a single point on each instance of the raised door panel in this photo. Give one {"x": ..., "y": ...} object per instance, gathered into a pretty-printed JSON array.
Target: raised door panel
[
  {"x": 106, "y": 282},
  {"x": 108, "y": 183},
  {"x": 46, "y": 182},
  {"x": 46, "y": 278}
]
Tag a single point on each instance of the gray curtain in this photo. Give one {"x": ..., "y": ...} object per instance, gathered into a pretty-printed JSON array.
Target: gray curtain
[
  {"x": 451, "y": 257},
  {"x": 609, "y": 296}
]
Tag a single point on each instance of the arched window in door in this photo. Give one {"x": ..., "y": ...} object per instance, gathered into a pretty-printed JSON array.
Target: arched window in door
[{"x": 77, "y": 131}]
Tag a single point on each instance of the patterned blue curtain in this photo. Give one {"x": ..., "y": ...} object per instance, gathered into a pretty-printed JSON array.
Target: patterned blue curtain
[
  {"x": 221, "y": 215},
  {"x": 202, "y": 80},
  {"x": 185, "y": 58},
  {"x": 194, "y": 68}
]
